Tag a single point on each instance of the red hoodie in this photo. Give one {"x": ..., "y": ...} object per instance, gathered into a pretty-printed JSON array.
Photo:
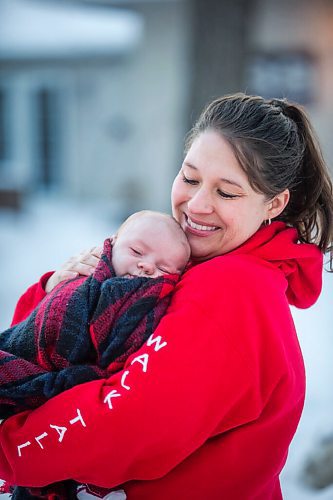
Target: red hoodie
[{"x": 206, "y": 408}]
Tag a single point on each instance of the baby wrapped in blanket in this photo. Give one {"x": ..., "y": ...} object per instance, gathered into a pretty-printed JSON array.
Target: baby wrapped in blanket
[{"x": 86, "y": 328}]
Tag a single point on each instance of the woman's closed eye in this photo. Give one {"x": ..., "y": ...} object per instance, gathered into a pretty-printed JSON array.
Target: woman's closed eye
[
  {"x": 227, "y": 195},
  {"x": 221, "y": 193},
  {"x": 188, "y": 180}
]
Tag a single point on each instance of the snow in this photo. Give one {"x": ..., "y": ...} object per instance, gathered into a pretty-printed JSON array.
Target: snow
[
  {"x": 314, "y": 327},
  {"x": 50, "y": 230}
]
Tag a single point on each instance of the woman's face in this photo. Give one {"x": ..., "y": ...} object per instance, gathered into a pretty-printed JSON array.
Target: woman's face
[{"x": 213, "y": 200}]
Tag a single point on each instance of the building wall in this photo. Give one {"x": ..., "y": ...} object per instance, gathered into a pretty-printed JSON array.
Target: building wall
[
  {"x": 140, "y": 112},
  {"x": 120, "y": 121},
  {"x": 305, "y": 26}
]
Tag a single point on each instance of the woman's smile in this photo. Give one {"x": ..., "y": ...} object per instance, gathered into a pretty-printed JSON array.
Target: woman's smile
[{"x": 199, "y": 228}]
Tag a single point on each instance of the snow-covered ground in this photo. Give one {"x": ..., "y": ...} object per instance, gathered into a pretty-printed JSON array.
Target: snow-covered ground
[{"x": 51, "y": 230}]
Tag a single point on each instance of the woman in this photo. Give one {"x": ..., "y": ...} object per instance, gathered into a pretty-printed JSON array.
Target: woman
[{"x": 208, "y": 406}]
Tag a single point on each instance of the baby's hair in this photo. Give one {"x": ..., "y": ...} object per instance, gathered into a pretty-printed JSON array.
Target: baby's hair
[{"x": 161, "y": 215}]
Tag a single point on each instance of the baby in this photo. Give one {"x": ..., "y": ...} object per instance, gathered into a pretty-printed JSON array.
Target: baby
[
  {"x": 150, "y": 244},
  {"x": 86, "y": 328}
]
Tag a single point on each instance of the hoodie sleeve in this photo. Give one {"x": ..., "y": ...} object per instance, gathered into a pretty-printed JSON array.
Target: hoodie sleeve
[
  {"x": 197, "y": 376},
  {"x": 30, "y": 299}
]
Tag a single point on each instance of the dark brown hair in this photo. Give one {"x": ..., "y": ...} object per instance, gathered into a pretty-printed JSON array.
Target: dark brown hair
[{"x": 277, "y": 148}]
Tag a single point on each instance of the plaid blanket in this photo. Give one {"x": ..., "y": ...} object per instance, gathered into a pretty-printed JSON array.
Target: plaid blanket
[{"x": 83, "y": 330}]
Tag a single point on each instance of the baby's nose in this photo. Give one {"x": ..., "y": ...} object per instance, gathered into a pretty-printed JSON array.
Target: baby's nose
[{"x": 147, "y": 267}]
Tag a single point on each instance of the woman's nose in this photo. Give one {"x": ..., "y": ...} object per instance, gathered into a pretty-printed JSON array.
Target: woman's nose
[
  {"x": 200, "y": 202},
  {"x": 147, "y": 267}
]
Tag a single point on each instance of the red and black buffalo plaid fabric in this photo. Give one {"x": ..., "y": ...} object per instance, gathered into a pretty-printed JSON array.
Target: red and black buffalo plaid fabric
[{"x": 83, "y": 330}]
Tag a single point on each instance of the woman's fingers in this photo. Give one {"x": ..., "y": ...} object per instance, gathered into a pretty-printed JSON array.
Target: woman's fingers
[
  {"x": 85, "y": 268},
  {"x": 86, "y": 255},
  {"x": 84, "y": 264},
  {"x": 96, "y": 251},
  {"x": 57, "y": 277}
]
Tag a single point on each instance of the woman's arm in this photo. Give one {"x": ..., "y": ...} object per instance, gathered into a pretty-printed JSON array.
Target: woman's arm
[
  {"x": 30, "y": 299},
  {"x": 173, "y": 395},
  {"x": 83, "y": 264}
]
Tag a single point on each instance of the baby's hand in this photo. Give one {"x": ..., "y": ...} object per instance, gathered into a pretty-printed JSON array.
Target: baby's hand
[{"x": 84, "y": 264}]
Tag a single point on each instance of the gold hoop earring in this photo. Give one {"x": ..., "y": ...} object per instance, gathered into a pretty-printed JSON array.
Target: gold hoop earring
[{"x": 268, "y": 222}]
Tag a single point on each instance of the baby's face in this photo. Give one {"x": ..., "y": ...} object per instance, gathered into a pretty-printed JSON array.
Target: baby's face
[{"x": 148, "y": 246}]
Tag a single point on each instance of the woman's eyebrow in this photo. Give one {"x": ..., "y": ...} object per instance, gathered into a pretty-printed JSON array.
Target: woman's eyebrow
[
  {"x": 229, "y": 181},
  {"x": 190, "y": 165},
  {"x": 223, "y": 179}
]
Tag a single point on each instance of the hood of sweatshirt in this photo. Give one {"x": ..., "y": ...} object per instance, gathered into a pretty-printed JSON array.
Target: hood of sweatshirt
[{"x": 301, "y": 263}]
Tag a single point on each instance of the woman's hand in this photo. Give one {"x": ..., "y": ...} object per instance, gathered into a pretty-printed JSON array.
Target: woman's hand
[{"x": 85, "y": 263}]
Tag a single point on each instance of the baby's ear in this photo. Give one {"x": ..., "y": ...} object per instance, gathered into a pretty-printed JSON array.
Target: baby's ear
[{"x": 113, "y": 239}]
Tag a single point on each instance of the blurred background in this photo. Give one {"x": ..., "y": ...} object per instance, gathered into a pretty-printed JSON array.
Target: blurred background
[{"x": 96, "y": 97}]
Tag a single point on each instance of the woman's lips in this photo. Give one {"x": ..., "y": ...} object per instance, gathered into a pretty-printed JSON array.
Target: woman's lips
[{"x": 198, "y": 227}]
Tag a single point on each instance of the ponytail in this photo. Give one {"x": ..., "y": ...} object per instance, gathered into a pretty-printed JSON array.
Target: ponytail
[{"x": 311, "y": 202}]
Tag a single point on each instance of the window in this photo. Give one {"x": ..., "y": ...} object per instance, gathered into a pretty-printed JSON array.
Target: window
[
  {"x": 4, "y": 125},
  {"x": 47, "y": 137},
  {"x": 282, "y": 74}
]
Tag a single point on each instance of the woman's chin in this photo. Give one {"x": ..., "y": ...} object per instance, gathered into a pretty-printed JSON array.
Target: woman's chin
[
  {"x": 201, "y": 250},
  {"x": 201, "y": 254}
]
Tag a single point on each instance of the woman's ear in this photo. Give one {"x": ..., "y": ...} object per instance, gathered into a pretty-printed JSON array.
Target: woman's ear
[{"x": 278, "y": 204}]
